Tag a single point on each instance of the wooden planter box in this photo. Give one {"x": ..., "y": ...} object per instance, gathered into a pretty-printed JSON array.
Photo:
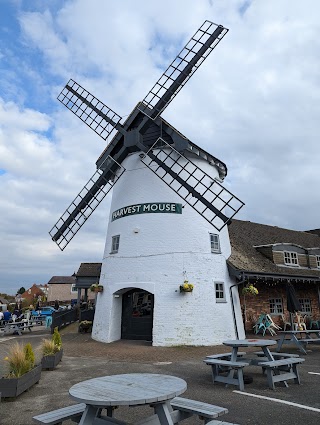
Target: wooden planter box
[
  {"x": 12, "y": 387},
  {"x": 50, "y": 362}
]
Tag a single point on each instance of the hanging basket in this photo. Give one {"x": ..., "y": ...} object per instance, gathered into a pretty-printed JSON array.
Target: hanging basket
[
  {"x": 250, "y": 290},
  {"x": 96, "y": 288},
  {"x": 186, "y": 287}
]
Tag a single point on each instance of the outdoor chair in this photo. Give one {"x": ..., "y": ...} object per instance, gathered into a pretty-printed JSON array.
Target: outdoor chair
[
  {"x": 260, "y": 325},
  {"x": 272, "y": 324},
  {"x": 314, "y": 323},
  {"x": 269, "y": 325},
  {"x": 301, "y": 322},
  {"x": 286, "y": 321}
]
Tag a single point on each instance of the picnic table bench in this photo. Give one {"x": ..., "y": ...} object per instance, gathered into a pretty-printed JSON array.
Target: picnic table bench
[
  {"x": 15, "y": 327},
  {"x": 221, "y": 365},
  {"x": 300, "y": 338},
  {"x": 287, "y": 365},
  {"x": 183, "y": 408}
]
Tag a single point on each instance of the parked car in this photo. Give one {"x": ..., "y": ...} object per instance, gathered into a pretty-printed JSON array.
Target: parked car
[{"x": 44, "y": 311}]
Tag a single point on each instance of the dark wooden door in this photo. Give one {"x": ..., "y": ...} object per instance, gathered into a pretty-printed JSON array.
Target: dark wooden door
[{"x": 137, "y": 315}]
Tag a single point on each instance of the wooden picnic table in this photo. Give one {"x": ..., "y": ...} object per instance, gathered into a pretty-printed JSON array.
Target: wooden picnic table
[
  {"x": 127, "y": 390},
  {"x": 299, "y": 338},
  {"x": 15, "y": 327},
  {"x": 279, "y": 369}
]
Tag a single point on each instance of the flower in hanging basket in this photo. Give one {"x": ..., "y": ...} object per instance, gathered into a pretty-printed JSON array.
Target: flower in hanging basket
[
  {"x": 95, "y": 287},
  {"x": 186, "y": 287},
  {"x": 250, "y": 289}
]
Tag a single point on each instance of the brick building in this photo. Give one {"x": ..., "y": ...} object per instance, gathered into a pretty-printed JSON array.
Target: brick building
[
  {"x": 34, "y": 292},
  {"x": 270, "y": 257}
]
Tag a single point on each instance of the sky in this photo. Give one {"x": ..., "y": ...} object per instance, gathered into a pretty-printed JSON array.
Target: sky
[{"x": 254, "y": 104}]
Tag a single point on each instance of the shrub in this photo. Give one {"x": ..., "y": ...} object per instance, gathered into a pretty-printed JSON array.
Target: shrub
[
  {"x": 49, "y": 347},
  {"x": 20, "y": 360},
  {"x": 56, "y": 338},
  {"x": 29, "y": 354}
]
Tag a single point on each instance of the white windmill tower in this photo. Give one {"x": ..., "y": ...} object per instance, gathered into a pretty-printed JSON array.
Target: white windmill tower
[{"x": 168, "y": 218}]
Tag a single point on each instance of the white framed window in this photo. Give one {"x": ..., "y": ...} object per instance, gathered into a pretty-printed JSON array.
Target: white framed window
[
  {"x": 215, "y": 243},
  {"x": 318, "y": 261},
  {"x": 305, "y": 305},
  {"x": 220, "y": 292},
  {"x": 276, "y": 306},
  {"x": 291, "y": 258},
  {"x": 115, "y": 244},
  {"x": 73, "y": 288}
]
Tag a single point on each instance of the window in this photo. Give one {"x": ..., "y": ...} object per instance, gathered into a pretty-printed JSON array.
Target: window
[
  {"x": 220, "y": 292},
  {"x": 276, "y": 306},
  {"x": 215, "y": 243},
  {"x": 115, "y": 244},
  {"x": 73, "y": 288},
  {"x": 291, "y": 258},
  {"x": 318, "y": 261},
  {"x": 305, "y": 305}
]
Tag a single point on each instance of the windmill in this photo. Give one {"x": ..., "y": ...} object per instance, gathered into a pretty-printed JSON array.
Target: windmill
[{"x": 156, "y": 145}]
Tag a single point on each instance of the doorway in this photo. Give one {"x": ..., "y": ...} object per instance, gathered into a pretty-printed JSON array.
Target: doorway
[{"x": 137, "y": 315}]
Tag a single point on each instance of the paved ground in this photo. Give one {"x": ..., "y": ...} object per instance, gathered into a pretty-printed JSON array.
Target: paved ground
[{"x": 84, "y": 359}]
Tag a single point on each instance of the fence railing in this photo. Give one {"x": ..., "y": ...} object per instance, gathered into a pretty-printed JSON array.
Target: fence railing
[
  {"x": 87, "y": 314},
  {"x": 61, "y": 319}
]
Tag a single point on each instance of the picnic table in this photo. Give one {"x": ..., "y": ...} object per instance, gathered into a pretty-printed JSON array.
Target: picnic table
[
  {"x": 15, "y": 327},
  {"x": 158, "y": 391},
  {"x": 300, "y": 338},
  {"x": 228, "y": 367}
]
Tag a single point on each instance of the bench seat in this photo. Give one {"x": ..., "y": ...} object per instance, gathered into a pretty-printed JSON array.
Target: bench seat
[
  {"x": 275, "y": 368},
  {"x": 219, "y": 367},
  {"x": 276, "y": 355},
  {"x": 192, "y": 407},
  {"x": 58, "y": 416},
  {"x": 309, "y": 340},
  {"x": 225, "y": 355}
]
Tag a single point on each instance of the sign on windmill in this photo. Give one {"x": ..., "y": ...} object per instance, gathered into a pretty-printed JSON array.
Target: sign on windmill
[{"x": 157, "y": 174}]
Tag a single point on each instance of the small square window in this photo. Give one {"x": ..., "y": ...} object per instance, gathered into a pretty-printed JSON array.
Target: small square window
[
  {"x": 305, "y": 305},
  {"x": 276, "y": 306},
  {"x": 115, "y": 244},
  {"x": 291, "y": 258},
  {"x": 318, "y": 261},
  {"x": 215, "y": 243},
  {"x": 220, "y": 292},
  {"x": 73, "y": 288}
]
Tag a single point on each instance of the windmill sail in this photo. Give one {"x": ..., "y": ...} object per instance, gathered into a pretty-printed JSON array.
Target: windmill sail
[
  {"x": 140, "y": 130},
  {"x": 182, "y": 68},
  {"x": 98, "y": 116},
  {"x": 86, "y": 202},
  {"x": 209, "y": 198}
]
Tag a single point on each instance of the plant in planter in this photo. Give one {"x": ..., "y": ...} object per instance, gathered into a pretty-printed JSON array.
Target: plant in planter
[
  {"x": 250, "y": 289},
  {"x": 52, "y": 351},
  {"x": 95, "y": 287},
  {"x": 186, "y": 287},
  {"x": 22, "y": 371},
  {"x": 85, "y": 326}
]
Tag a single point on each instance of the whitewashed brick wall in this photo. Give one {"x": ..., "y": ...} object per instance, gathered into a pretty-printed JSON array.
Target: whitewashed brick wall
[{"x": 157, "y": 252}]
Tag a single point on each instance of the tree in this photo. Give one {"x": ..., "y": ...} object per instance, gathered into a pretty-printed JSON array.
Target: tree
[{"x": 21, "y": 290}]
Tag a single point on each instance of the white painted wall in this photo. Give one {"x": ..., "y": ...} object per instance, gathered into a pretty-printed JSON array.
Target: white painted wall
[{"x": 156, "y": 253}]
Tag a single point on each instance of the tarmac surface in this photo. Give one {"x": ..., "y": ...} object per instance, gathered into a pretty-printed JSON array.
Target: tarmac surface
[{"x": 84, "y": 358}]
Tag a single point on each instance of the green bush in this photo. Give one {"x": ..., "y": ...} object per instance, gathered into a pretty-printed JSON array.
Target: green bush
[
  {"x": 56, "y": 338},
  {"x": 29, "y": 354}
]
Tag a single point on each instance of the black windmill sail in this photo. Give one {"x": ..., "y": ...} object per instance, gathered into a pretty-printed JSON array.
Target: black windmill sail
[{"x": 161, "y": 145}]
